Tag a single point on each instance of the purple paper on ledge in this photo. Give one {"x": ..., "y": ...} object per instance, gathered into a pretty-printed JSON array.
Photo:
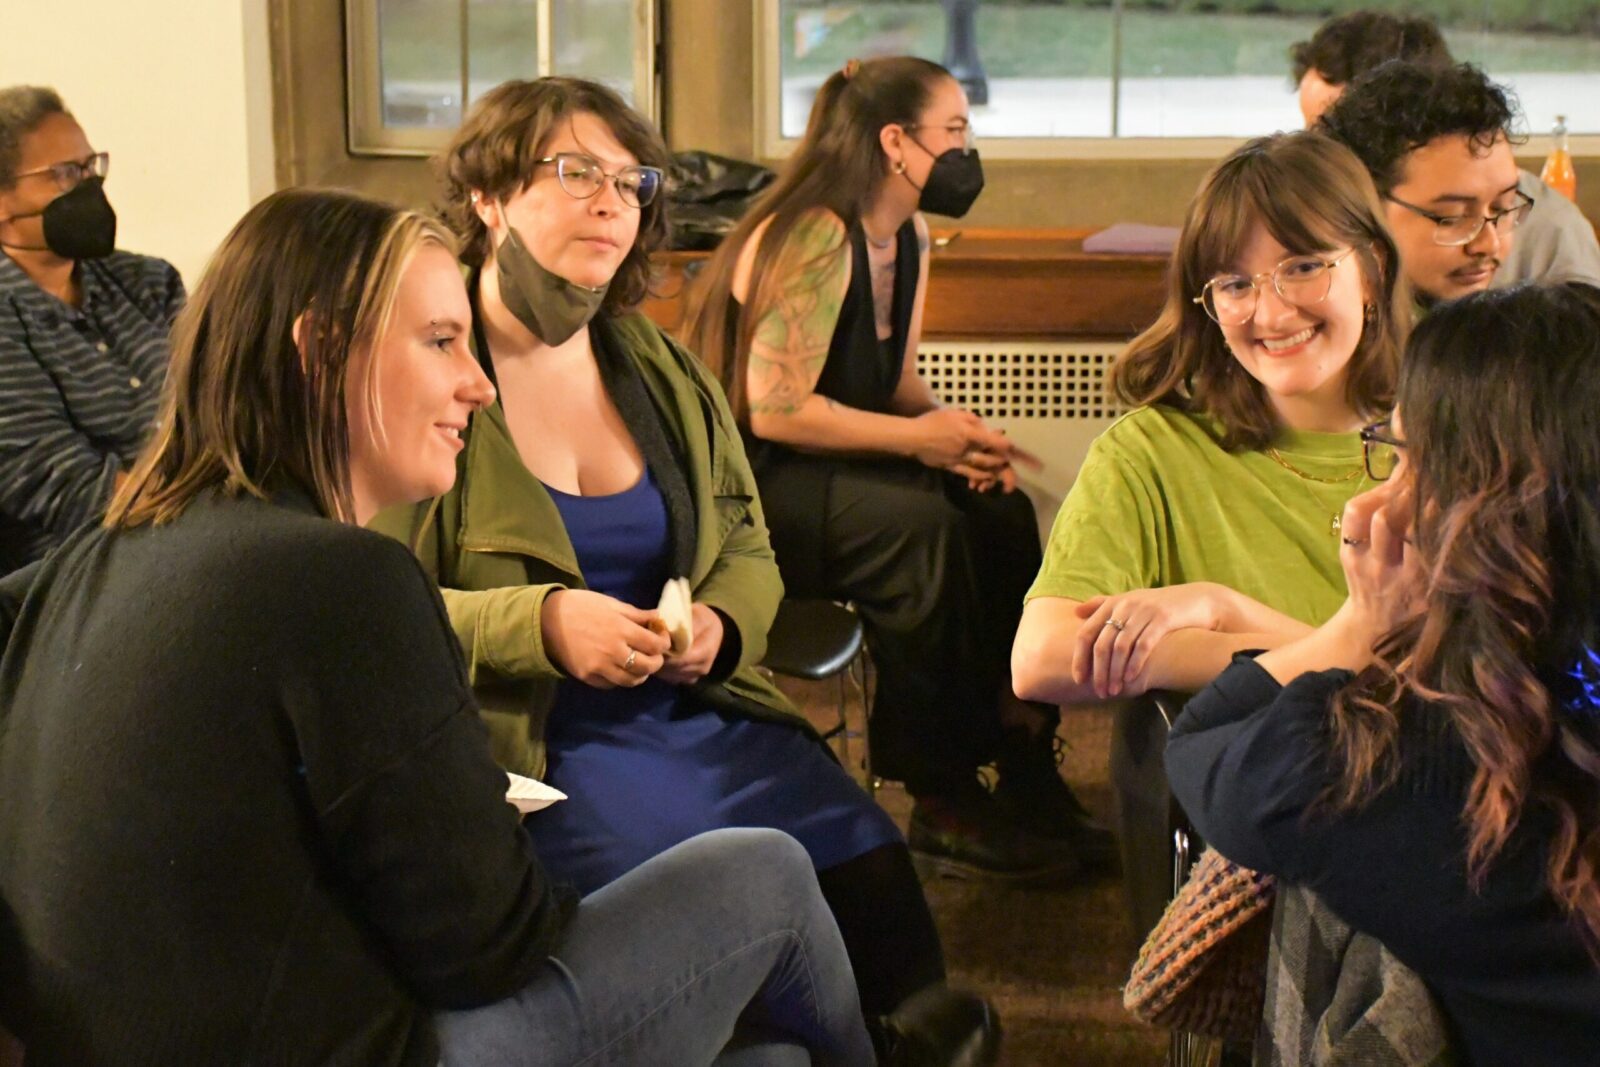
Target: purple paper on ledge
[{"x": 1133, "y": 238}]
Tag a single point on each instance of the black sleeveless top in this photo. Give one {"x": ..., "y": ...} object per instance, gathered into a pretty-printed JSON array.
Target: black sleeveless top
[{"x": 863, "y": 371}]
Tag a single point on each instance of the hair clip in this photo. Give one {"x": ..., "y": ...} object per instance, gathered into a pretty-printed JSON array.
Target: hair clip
[
  {"x": 1585, "y": 702},
  {"x": 851, "y": 66}
]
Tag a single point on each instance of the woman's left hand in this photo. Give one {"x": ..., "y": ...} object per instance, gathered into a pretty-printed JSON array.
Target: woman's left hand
[
  {"x": 1120, "y": 632},
  {"x": 1380, "y": 564},
  {"x": 694, "y": 662}
]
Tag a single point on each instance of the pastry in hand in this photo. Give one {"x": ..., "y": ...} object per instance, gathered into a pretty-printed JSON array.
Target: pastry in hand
[{"x": 674, "y": 617}]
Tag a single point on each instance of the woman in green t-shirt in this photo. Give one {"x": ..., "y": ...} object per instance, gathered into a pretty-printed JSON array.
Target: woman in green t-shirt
[{"x": 1206, "y": 521}]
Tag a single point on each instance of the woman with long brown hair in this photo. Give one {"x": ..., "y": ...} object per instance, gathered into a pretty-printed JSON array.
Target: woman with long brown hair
[
  {"x": 1428, "y": 760},
  {"x": 877, "y": 493},
  {"x": 247, "y": 810}
]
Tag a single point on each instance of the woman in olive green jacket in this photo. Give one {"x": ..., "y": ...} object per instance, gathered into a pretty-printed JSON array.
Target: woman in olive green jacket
[{"x": 610, "y": 464}]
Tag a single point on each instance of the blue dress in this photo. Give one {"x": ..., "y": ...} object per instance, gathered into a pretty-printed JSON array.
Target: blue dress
[{"x": 648, "y": 767}]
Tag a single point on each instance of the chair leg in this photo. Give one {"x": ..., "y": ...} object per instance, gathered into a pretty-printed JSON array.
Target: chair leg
[
  {"x": 863, "y": 681},
  {"x": 843, "y": 728}
]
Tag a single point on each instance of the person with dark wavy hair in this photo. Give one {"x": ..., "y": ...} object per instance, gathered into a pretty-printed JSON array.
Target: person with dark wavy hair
[
  {"x": 1428, "y": 761},
  {"x": 1346, "y": 47},
  {"x": 1438, "y": 142}
]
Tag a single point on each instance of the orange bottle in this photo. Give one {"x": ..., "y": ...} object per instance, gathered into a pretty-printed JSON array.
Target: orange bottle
[{"x": 1558, "y": 173}]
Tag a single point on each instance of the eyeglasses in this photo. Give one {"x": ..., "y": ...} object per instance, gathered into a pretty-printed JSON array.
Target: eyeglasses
[
  {"x": 582, "y": 178},
  {"x": 68, "y": 175},
  {"x": 1454, "y": 230},
  {"x": 1380, "y": 450},
  {"x": 959, "y": 128},
  {"x": 1230, "y": 299}
]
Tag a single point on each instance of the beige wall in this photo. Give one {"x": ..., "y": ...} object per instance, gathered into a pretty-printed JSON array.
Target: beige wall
[
  {"x": 178, "y": 91},
  {"x": 710, "y": 103}
]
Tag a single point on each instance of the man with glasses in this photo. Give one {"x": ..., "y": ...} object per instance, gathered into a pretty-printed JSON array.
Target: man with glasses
[
  {"x": 83, "y": 330},
  {"x": 1438, "y": 143}
]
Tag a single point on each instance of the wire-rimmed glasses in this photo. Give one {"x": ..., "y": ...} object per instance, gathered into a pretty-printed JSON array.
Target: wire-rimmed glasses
[
  {"x": 582, "y": 178},
  {"x": 1230, "y": 299}
]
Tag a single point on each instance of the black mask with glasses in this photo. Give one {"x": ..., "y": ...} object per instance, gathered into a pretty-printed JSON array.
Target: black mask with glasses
[
  {"x": 67, "y": 175},
  {"x": 582, "y": 178},
  {"x": 1380, "y": 449},
  {"x": 1230, "y": 299},
  {"x": 1453, "y": 231}
]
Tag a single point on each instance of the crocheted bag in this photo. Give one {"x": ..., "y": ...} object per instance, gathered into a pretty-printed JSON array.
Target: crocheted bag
[{"x": 1203, "y": 969}]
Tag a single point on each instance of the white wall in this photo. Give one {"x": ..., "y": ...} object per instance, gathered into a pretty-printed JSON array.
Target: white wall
[{"x": 178, "y": 91}]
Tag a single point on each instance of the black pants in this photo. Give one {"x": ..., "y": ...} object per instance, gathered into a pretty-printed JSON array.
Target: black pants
[
  {"x": 938, "y": 573},
  {"x": 886, "y": 924}
]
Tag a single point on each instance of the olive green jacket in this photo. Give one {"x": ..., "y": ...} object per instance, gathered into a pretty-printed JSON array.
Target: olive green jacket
[{"x": 497, "y": 547}]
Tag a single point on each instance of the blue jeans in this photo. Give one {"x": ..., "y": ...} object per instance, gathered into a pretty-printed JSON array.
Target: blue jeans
[{"x": 725, "y": 930}]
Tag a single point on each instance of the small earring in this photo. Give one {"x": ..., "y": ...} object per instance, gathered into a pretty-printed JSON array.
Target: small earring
[
  {"x": 900, "y": 166},
  {"x": 1372, "y": 312},
  {"x": 474, "y": 198}
]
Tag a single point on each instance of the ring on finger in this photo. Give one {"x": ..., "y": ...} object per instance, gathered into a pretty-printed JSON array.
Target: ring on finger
[
  {"x": 1115, "y": 624},
  {"x": 1354, "y": 541},
  {"x": 627, "y": 664}
]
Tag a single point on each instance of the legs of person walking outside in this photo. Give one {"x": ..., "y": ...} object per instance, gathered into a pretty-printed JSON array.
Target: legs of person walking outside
[{"x": 661, "y": 965}]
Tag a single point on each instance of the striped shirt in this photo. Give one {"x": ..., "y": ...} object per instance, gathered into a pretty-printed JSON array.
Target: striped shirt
[{"x": 79, "y": 387}]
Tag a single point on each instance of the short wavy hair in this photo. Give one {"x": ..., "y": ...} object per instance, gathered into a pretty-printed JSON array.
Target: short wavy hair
[
  {"x": 1395, "y": 109},
  {"x": 493, "y": 153},
  {"x": 22, "y": 108},
  {"x": 1346, "y": 47}
]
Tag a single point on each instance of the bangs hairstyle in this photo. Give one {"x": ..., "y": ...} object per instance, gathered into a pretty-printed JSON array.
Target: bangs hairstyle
[
  {"x": 1498, "y": 395},
  {"x": 838, "y": 168},
  {"x": 495, "y": 152},
  {"x": 244, "y": 405},
  {"x": 1312, "y": 195}
]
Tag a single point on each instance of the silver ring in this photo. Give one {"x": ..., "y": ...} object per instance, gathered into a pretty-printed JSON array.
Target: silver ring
[
  {"x": 1353, "y": 541},
  {"x": 1118, "y": 626},
  {"x": 627, "y": 664}
]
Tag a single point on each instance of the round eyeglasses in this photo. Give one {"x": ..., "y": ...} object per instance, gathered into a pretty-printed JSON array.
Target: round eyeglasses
[
  {"x": 582, "y": 178},
  {"x": 1452, "y": 231},
  {"x": 1230, "y": 299},
  {"x": 1380, "y": 449},
  {"x": 67, "y": 175}
]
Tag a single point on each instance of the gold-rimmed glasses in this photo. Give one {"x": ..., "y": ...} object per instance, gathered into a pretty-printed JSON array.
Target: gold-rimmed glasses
[
  {"x": 582, "y": 178},
  {"x": 1230, "y": 299}
]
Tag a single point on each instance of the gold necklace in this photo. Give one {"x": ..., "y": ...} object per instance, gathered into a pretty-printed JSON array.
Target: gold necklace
[{"x": 1337, "y": 521}]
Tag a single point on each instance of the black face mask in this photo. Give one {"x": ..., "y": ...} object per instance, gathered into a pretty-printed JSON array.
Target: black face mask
[
  {"x": 953, "y": 184},
  {"x": 79, "y": 224}
]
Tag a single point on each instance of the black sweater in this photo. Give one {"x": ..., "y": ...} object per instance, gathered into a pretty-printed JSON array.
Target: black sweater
[
  {"x": 247, "y": 809},
  {"x": 1248, "y": 757}
]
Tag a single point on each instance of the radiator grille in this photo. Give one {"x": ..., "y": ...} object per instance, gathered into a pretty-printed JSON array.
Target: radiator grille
[{"x": 1027, "y": 381}]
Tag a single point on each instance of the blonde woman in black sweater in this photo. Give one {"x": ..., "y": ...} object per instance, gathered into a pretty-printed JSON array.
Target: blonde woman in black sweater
[{"x": 247, "y": 809}]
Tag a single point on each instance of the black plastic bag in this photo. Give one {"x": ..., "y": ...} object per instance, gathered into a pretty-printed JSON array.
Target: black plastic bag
[{"x": 707, "y": 195}]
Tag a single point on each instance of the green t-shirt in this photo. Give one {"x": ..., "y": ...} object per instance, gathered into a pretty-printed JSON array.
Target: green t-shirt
[{"x": 1159, "y": 502}]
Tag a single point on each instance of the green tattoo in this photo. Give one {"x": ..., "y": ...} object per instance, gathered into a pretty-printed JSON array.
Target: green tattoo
[{"x": 793, "y": 334}]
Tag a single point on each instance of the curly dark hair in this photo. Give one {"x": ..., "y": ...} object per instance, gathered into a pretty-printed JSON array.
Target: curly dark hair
[
  {"x": 1346, "y": 47},
  {"x": 1395, "y": 109}
]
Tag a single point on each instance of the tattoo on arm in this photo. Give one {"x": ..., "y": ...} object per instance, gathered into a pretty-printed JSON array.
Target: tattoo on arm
[{"x": 794, "y": 331}]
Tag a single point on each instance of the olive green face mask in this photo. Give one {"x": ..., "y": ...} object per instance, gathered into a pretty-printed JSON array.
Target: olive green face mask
[{"x": 547, "y": 304}]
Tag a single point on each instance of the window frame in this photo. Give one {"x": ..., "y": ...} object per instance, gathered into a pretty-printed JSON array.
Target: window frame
[
  {"x": 366, "y": 134},
  {"x": 772, "y": 144}
]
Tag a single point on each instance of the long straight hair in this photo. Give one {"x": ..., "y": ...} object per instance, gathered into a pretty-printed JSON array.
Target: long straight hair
[
  {"x": 244, "y": 403},
  {"x": 1498, "y": 392},
  {"x": 1312, "y": 195},
  {"x": 838, "y": 167}
]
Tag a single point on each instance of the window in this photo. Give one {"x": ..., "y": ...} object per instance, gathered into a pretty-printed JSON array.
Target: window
[
  {"x": 1117, "y": 74},
  {"x": 413, "y": 64}
]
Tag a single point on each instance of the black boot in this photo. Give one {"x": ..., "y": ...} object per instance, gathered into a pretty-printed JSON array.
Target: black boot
[
  {"x": 939, "y": 1027},
  {"x": 1032, "y": 793},
  {"x": 961, "y": 833}
]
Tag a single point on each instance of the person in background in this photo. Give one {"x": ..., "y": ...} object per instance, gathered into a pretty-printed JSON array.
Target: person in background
[
  {"x": 83, "y": 329},
  {"x": 878, "y": 493},
  {"x": 608, "y": 465},
  {"x": 1347, "y": 46},
  {"x": 1206, "y": 520},
  {"x": 258, "y": 821},
  {"x": 1555, "y": 240},
  {"x": 1428, "y": 759}
]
